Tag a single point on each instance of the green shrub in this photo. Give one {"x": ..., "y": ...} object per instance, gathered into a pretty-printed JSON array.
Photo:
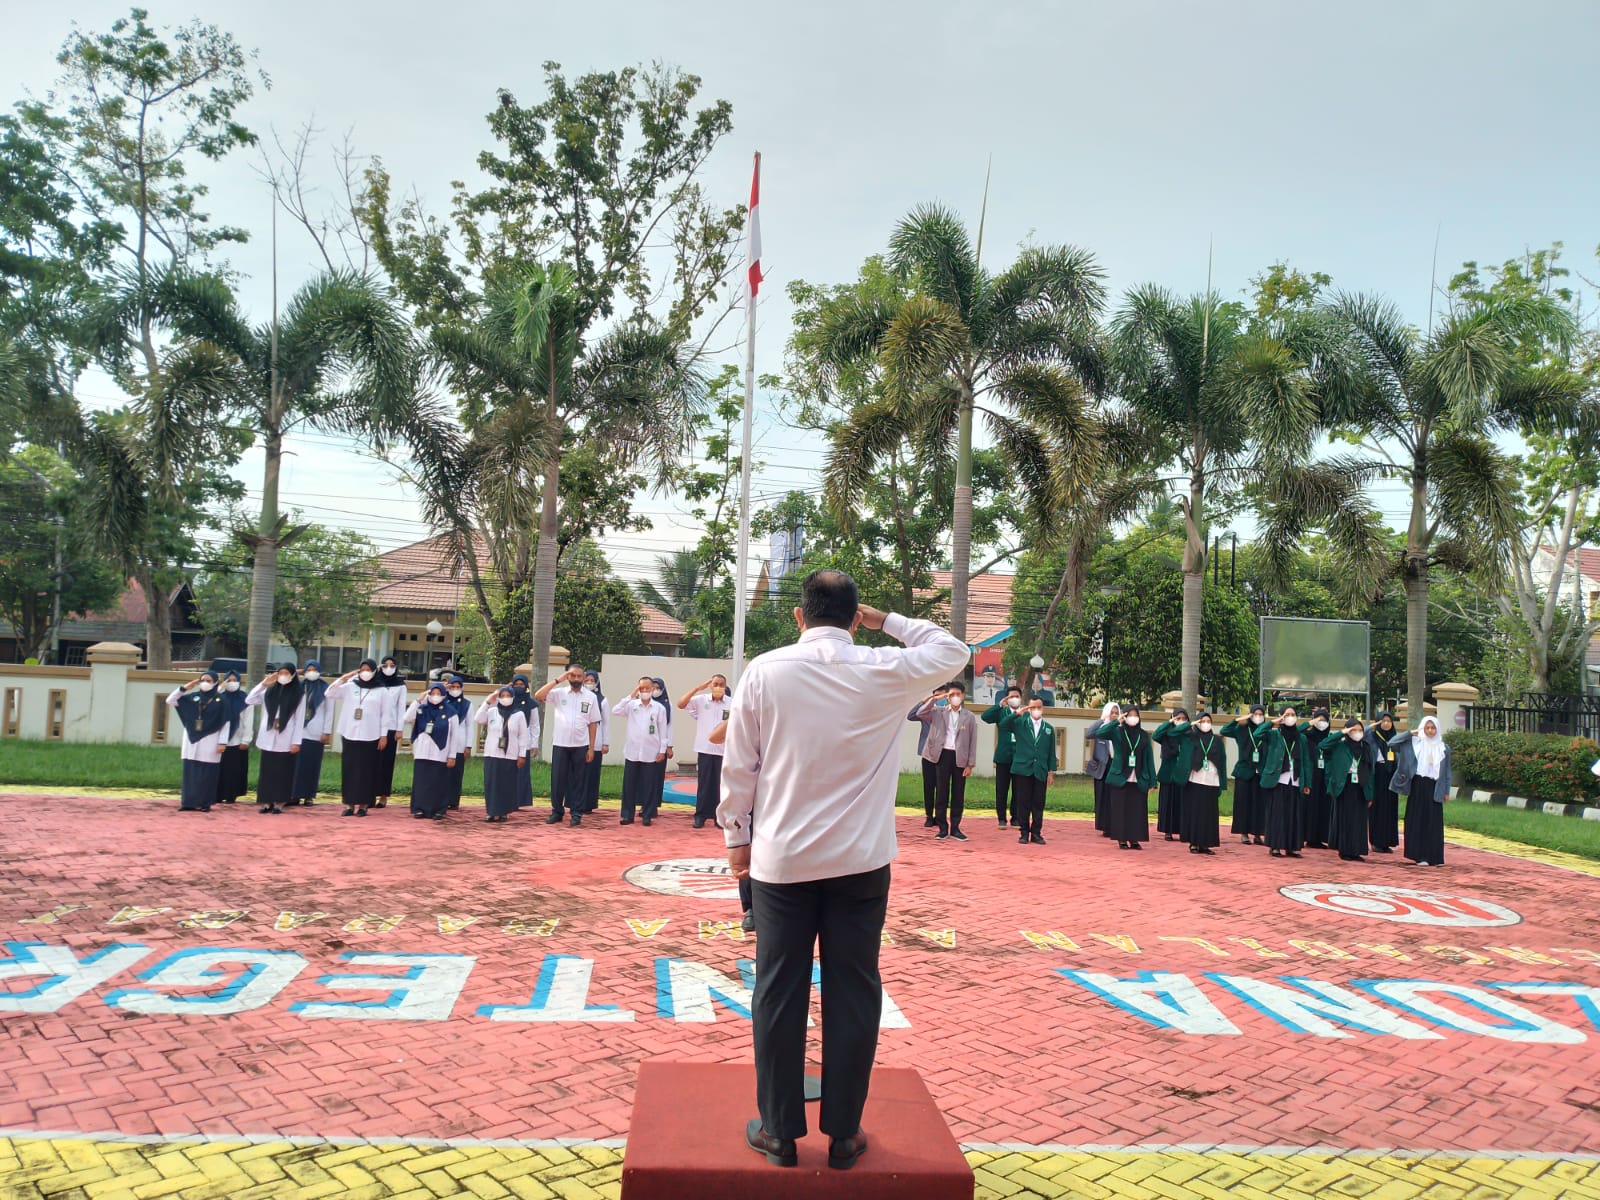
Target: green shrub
[{"x": 1540, "y": 766}]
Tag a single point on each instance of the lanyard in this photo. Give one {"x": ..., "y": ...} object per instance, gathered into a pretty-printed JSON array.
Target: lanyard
[
  {"x": 1130, "y": 743},
  {"x": 1205, "y": 751}
]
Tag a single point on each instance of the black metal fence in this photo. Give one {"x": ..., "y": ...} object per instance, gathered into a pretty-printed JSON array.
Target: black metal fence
[{"x": 1571, "y": 716}]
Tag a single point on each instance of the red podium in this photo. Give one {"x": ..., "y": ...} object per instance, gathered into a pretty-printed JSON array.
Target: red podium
[{"x": 686, "y": 1139}]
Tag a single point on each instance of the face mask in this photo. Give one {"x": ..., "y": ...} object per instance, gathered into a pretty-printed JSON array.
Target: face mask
[
  {"x": 1320, "y": 723},
  {"x": 312, "y": 674},
  {"x": 505, "y": 701},
  {"x": 941, "y": 703},
  {"x": 1036, "y": 713},
  {"x": 956, "y": 701},
  {"x": 1131, "y": 720},
  {"x": 285, "y": 680},
  {"x": 455, "y": 693},
  {"x": 1180, "y": 720},
  {"x": 656, "y": 693},
  {"x": 435, "y": 698},
  {"x": 231, "y": 686},
  {"x": 366, "y": 676},
  {"x": 1205, "y": 726},
  {"x": 206, "y": 685},
  {"x": 388, "y": 670},
  {"x": 1357, "y": 734},
  {"x": 519, "y": 688},
  {"x": 717, "y": 693},
  {"x": 1256, "y": 718},
  {"x": 1290, "y": 722},
  {"x": 1015, "y": 702}
]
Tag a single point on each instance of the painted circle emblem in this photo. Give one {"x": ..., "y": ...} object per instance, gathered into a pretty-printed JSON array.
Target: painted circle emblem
[
  {"x": 1408, "y": 906},
  {"x": 696, "y": 878}
]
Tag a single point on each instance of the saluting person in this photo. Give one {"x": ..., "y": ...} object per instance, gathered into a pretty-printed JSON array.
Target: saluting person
[
  {"x": 708, "y": 704},
  {"x": 574, "y": 731},
  {"x": 1033, "y": 767},
  {"x": 364, "y": 720},
  {"x": 393, "y": 699},
  {"x": 459, "y": 709},
  {"x": 1286, "y": 759},
  {"x": 591, "y": 772},
  {"x": 1319, "y": 808},
  {"x": 203, "y": 717},
  {"x": 433, "y": 757},
  {"x": 1383, "y": 828},
  {"x": 1251, "y": 785},
  {"x": 1099, "y": 759},
  {"x": 316, "y": 731},
  {"x": 233, "y": 780},
  {"x": 1347, "y": 775},
  {"x": 1004, "y": 748},
  {"x": 1130, "y": 777},
  {"x": 506, "y": 743},
  {"x": 1171, "y": 776},
  {"x": 952, "y": 745},
  {"x": 281, "y": 697},
  {"x": 644, "y": 747},
  {"x": 1203, "y": 762},
  {"x": 922, "y": 714},
  {"x": 523, "y": 702}
]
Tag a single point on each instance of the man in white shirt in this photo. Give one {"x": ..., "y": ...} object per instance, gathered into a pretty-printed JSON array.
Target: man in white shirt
[
  {"x": 708, "y": 704},
  {"x": 809, "y": 819},
  {"x": 574, "y": 713}
]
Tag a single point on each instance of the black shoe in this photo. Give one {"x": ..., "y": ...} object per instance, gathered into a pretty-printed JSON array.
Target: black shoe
[
  {"x": 748, "y": 923},
  {"x": 1170, "y": 838},
  {"x": 1016, "y": 824},
  {"x": 1206, "y": 850},
  {"x": 1383, "y": 849},
  {"x": 577, "y": 819},
  {"x": 625, "y": 821},
  {"x": 1023, "y": 840},
  {"x": 1135, "y": 846},
  {"x": 647, "y": 820},
  {"x": 1277, "y": 854},
  {"x": 227, "y": 801},
  {"x": 361, "y": 812},
  {"x": 780, "y": 1152},
  {"x": 349, "y": 812},
  {"x": 275, "y": 809},
  {"x": 382, "y": 803},
  {"x": 1261, "y": 841},
  {"x": 1036, "y": 839},
  {"x": 843, "y": 1152},
  {"x": 1122, "y": 845},
  {"x": 958, "y": 835},
  {"x": 553, "y": 819},
  {"x": 437, "y": 817},
  {"x": 265, "y": 808},
  {"x": 1002, "y": 822},
  {"x": 308, "y": 803},
  {"x": 930, "y": 823},
  {"x": 1295, "y": 854},
  {"x": 941, "y": 835},
  {"x": 699, "y": 822}
]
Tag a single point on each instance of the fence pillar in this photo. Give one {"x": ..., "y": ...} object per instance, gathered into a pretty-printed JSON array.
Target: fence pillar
[
  {"x": 1452, "y": 700},
  {"x": 109, "y": 664}
]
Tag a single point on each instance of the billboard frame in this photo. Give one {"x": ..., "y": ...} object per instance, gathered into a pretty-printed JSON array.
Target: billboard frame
[{"x": 1261, "y": 656}]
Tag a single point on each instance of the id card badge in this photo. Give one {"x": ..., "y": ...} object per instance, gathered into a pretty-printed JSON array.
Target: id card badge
[
  {"x": 652, "y": 729},
  {"x": 358, "y": 714},
  {"x": 1321, "y": 763},
  {"x": 1131, "y": 765},
  {"x": 1391, "y": 756},
  {"x": 1255, "y": 756},
  {"x": 1355, "y": 773}
]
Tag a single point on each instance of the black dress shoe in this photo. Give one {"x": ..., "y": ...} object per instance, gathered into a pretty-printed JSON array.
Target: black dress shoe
[
  {"x": 843, "y": 1152},
  {"x": 748, "y": 923},
  {"x": 553, "y": 819},
  {"x": 930, "y": 823},
  {"x": 349, "y": 812},
  {"x": 1036, "y": 839},
  {"x": 1023, "y": 840},
  {"x": 625, "y": 821},
  {"x": 577, "y": 819},
  {"x": 958, "y": 835},
  {"x": 699, "y": 822},
  {"x": 780, "y": 1152}
]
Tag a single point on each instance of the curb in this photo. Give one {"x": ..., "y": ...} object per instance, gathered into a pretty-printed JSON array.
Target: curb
[{"x": 1552, "y": 807}]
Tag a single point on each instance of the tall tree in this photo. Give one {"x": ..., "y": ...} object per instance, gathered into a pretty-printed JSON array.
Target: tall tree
[{"x": 1020, "y": 347}]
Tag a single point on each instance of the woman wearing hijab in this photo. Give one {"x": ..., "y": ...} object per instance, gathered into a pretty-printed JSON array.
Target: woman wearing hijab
[
  {"x": 645, "y": 745},
  {"x": 1383, "y": 826},
  {"x": 1318, "y": 808},
  {"x": 1130, "y": 776},
  {"x": 316, "y": 731},
  {"x": 433, "y": 753},
  {"x": 1099, "y": 760},
  {"x": 203, "y": 717},
  {"x": 505, "y": 751},
  {"x": 281, "y": 697},
  {"x": 1286, "y": 763},
  {"x": 1422, "y": 776},
  {"x": 1251, "y": 785},
  {"x": 459, "y": 709},
  {"x": 364, "y": 734},
  {"x": 658, "y": 773},
  {"x": 1201, "y": 760},
  {"x": 393, "y": 685},
  {"x": 1347, "y": 775},
  {"x": 1171, "y": 777},
  {"x": 233, "y": 780},
  {"x": 522, "y": 700},
  {"x": 591, "y": 775}
]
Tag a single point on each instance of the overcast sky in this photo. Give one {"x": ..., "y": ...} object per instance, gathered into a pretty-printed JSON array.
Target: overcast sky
[{"x": 1339, "y": 137}]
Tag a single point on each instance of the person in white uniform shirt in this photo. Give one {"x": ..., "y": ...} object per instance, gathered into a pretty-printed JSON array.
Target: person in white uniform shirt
[
  {"x": 508, "y": 737},
  {"x": 646, "y": 745},
  {"x": 364, "y": 720},
  {"x": 281, "y": 697},
  {"x": 809, "y": 818},
  {"x": 433, "y": 753},
  {"x": 574, "y": 729},
  {"x": 234, "y": 780},
  {"x": 459, "y": 709},
  {"x": 202, "y": 717},
  {"x": 708, "y": 704},
  {"x": 315, "y": 734}
]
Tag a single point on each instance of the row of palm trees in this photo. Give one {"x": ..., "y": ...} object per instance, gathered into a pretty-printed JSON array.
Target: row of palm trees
[{"x": 1194, "y": 396}]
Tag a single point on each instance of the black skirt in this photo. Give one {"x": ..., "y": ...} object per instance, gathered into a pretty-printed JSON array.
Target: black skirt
[
  {"x": 275, "y": 780},
  {"x": 233, "y": 780},
  {"x": 457, "y": 774},
  {"x": 1169, "y": 809},
  {"x": 1383, "y": 825},
  {"x": 707, "y": 786},
  {"x": 1250, "y": 798},
  {"x": 358, "y": 773},
  {"x": 199, "y": 784},
  {"x": 1127, "y": 813},
  {"x": 501, "y": 783},
  {"x": 384, "y": 782},
  {"x": 1286, "y": 810},
  {"x": 1424, "y": 823},
  {"x": 430, "y": 787},
  {"x": 1351, "y": 821},
  {"x": 1099, "y": 806},
  {"x": 524, "y": 788},
  {"x": 1315, "y": 813},
  {"x": 307, "y": 770},
  {"x": 1199, "y": 815}
]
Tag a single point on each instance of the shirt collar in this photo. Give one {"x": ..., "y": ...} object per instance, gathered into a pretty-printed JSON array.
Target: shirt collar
[{"x": 832, "y": 633}]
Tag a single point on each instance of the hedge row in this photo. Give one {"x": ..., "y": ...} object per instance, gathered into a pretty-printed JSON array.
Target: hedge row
[{"x": 1540, "y": 766}]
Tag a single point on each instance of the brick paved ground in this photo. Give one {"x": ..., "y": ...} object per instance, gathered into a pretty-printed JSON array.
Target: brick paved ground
[{"x": 540, "y": 976}]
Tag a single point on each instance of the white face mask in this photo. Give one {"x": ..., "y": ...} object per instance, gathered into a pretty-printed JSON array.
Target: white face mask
[
  {"x": 1131, "y": 721},
  {"x": 505, "y": 701},
  {"x": 388, "y": 670},
  {"x": 656, "y": 693},
  {"x": 956, "y": 702},
  {"x": 717, "y": 693},
  {"x": 1357, "y": 734},
  {"x": 1015, "y": 702},
  {"x": 206, "y": 685},
  {"x": 1036, "y": 713},
  {"x": 312, "y": 675},
  {"x": 1204, "y": 726},
  {"x": 435, "y": 698},
  {"x": 1256, "y": 718},
  {"x": 231, "y": 686},
  {"x": 1320, "y": 723},
  {"x": 285, "y": 680},
  {"x": 366, "y": 676},
  {"x": 1290, "y": 722},
  {"x": 455, "y": 693}
]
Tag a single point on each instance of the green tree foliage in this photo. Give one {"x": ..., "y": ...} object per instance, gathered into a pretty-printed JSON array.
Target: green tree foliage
[{"x": 593, "y": 617}]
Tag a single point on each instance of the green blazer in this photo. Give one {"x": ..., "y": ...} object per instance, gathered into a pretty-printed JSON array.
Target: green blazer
[
  {"x": 1030, "y": 755},
  {"x": 1248, "y": 737},
  {"x": 1274, "y": 755},
  {"x": 1143, "y": 758},
  {"x": 1191, "y": 746},
  {"x": 1004, "y": 739},
  {"x": 1173, "y": 767},
  {"x": 1339, "y": 754}
]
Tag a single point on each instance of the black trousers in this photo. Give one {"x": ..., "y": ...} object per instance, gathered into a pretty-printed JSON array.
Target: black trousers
[
  {"x": 1002, "y": 789},
  {"x": 930, "y": 774},
  {"x": 844, "y": 918},
  {"x": 567, "y": 776},
  {"x": 949, "y": 792},
  {"x": 641, "y": 789},
  {"x": 1027, "y": 802},
  {"x": 707, "y": 786}
]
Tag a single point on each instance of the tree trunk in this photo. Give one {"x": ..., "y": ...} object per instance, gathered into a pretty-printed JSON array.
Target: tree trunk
[
  {"x": 548, "y": 552},
  {"x": 1539, "y": 661},
  {"x": 264, "y": 573},
  {"x": 1194, "y": 578},
  {"x": 157, "y": 621},
  {"x": 961, "y": 520},
  {"x": 1416, "y": 577}
]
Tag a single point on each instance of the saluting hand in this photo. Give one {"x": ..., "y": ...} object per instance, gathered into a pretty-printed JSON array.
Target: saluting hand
[{"x": 871, "y": 618}]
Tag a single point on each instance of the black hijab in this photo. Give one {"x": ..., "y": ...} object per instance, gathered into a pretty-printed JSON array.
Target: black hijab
[
  {"x": 457, "y": 706},
  {"x": 281, "y": 698},
  {"x": 522, "y": 701},
  {"x": 398, "y": 679},
  {"x": 232, "y": 702},
  {"x": 314, "y": 689},
  {"x": 377, "y": 680},
  {"x": 202, "y": 713}
]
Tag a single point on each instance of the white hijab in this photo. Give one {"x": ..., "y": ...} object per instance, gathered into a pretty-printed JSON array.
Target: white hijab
[
  {"x": 1430, "y": 749},
  {"x": 1105, "y": 713}
]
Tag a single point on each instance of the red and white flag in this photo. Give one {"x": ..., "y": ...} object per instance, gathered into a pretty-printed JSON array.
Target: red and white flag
[{"x": 754, "y": 246}]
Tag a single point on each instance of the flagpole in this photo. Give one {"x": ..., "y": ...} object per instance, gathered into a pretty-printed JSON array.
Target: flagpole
[{"x": 741, "y": 596}]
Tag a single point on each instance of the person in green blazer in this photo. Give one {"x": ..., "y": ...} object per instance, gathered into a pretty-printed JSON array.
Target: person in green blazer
[
  {"x": 1251, "y": 787},
  {"x": 1033, "y": 766},
  {"x": 1130, "y": 776},
  {"x": 1349, "y": 765},
  {"x": 1203, "y": 766},
  {"x": 1171, "y": 775},
  {"x": 1285, "y": 768},
  {"x": 1004, "y": 744}
]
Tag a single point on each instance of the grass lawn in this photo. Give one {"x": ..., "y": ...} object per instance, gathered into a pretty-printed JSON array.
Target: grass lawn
[{"x": 68, "y": 765}]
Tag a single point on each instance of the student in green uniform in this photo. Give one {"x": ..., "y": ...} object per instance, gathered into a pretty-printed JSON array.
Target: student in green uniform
[
  {"x": 1347, "y": 773},
  {"x": 1170, "y": 776},
  {"x": 1130, "y": 776},
  {"x": 1251, "y": 785},
  {"x": 1384, "y": 820},
  {"x": 1033, "y": 767},
  {"x": 1004, "y": 747},
  {"x": 1202, "y": 759},
  {"x": 1286, "y": 770},
  {"x": 1317, "y": 811}
]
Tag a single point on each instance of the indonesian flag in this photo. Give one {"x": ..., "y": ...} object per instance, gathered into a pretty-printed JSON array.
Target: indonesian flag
[{"x": 754, "y": 257}]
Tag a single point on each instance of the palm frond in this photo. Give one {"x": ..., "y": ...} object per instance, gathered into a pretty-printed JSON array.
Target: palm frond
[
  {"x": 930, "y": 246},
  {"x": 1472, "y": 487},
  {"x": 925, "y": 340}
]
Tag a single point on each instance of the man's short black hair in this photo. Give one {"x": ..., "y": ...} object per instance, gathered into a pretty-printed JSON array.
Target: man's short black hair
[
  {"x": 1013, "y": 688},
  {"x": 829, "y": 598},
  {"x": 956, "y": 685}
]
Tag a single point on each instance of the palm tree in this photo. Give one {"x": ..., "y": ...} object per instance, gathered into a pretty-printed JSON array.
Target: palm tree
[
  {"x": 1228, "y": 401},
  {"x": 1424, "y": 411},
  {"x": 1020, "y": 347},
  {"x": 339, "y": 361},
  {"x": 631, "y": 391},
  {"x": 676, "y": 588}
]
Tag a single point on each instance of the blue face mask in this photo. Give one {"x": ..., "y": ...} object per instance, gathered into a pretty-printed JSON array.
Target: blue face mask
[{"x": 941, "y": 704}]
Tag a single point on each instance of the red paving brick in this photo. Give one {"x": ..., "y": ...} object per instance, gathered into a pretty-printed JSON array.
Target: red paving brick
[{"x": 1012, "y": 1051}]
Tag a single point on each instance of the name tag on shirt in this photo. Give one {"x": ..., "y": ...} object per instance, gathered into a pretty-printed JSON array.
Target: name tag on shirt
[
  {"x": 1255, "y": 756},
  {"x": 1391, "y": 756},
  {"x": 584, "y": 707},
  {"x": 724, "y": 714},
  {"x": 1355, "y": 773},
  {"x": 358, "y": 714},
  {"x": 652, "y": 728},
  {"x": 1320, "y": 763}
]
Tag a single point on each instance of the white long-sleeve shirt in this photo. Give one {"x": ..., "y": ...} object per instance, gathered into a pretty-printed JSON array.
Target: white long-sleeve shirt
[
  {"x": 240, "y": 734},
  {"x": 373, "y": 705},
  {"x": 207, "y": 749},
  {"x": 422, "y": 745},
  {"x": 313, "y": 728},
  {"x": 812, "y": 749},
  {"x": 708, "y": 714},
  {"x": 461, "y": 732},
  {"x": 516, "y": 728},
  {"x": 647, "y": 738},
  {"x": 275, "y": 741}
]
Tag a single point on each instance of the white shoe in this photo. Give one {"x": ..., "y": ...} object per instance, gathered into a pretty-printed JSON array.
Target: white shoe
[{"x": 1422, "y": 864}]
